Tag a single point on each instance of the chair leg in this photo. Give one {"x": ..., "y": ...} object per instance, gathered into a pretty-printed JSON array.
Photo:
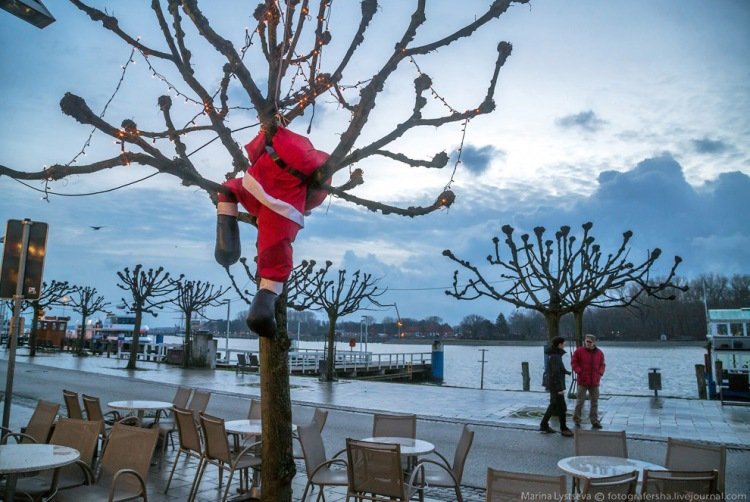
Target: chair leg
[
  {"x": 304, "y": 493},
  {"x": 197, "y": 480},
  {"x": 229, "y": 484},
  {"x": 174, "y": 466},
  {"x": 459, "y": 497}
]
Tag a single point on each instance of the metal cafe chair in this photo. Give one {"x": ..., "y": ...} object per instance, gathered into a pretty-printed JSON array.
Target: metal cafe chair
[
  {"x": 619, "y": 487},
  {"x": 449, "y": 475},
  {"x": 679, "y": 485},
  {"x": 317, "y": 465},
  {"x": 504, "y": 485},
  {"x": 404, "y": 426},
  {"x": 190, "y": 443},
  {"x": 72, "y": 404},
  {"x": 38, "y": 428},
  {"x": 375, "y": 472},
  {"x": 693, "y": 456}
]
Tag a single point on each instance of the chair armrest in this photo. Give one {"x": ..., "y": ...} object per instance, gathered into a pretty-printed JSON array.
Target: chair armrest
[
  {"x": 343, "y": 450},
  {"x": 88, "y": 474},
  {"x": 421, "y": 465},
  {"x": 18, "y": 436},
  {"x": 125, "y": 472},
  {"x": 130, "y": 420},
  {"x": 337, "y": 461},
  {"x": 446, "y": 464},
  {"x": 248, "y": 449}
]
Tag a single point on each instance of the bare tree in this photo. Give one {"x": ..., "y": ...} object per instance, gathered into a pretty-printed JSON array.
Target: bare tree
[
  {"x": 336, "y": 297},
  {"x": 562, "y": 276},
  {"x": 288, "y": 41},
  {"x": 86, "y": 301},
  {"x": 149, "y": 291},
  {"x": 51, "y": 295},
  {"x": 192, "y": 296}
]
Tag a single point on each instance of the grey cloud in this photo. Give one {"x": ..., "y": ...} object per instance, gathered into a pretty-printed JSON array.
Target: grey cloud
[
  {"x": 588, "y": 121},
  {"x": 710, "y": 146},
  {"x": 478, "y": 159}
]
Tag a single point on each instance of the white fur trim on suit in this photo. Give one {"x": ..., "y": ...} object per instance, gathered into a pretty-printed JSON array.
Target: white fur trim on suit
[
  {"x": 278, "y": 206},
  {"x": 227, "y": 208},
  {"x": 273, "y": 286}
]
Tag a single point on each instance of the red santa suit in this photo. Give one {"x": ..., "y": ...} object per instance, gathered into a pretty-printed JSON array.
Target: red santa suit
[{"x": 274, "y": 190}]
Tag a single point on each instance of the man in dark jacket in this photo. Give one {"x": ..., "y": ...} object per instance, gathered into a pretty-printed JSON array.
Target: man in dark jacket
[
  {"x": 555, "y": 384},
  {"x": 588, "y": 363}
]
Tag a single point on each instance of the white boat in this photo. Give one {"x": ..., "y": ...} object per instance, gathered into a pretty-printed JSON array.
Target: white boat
[
  {"x": 118, "y": 327},
  {"x": 729, "y": 353}
]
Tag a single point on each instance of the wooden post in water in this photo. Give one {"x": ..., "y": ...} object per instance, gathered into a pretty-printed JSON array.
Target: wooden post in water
[
  {"x": 481, "y": 377},
  {"x": 525, "y": 376},
  {"x": 700, "y": 377}
]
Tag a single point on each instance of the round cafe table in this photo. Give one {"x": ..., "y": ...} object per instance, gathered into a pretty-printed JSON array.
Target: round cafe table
[
  {"x": 140, "y": 406},
  {"x": 19, "y": 458},
  {"x": 598, "y": 466},
  {"x": 409, "y": 447}
]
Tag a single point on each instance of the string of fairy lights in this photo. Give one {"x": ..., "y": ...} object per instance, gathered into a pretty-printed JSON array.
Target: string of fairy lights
[{"x": 313, "y": 62}]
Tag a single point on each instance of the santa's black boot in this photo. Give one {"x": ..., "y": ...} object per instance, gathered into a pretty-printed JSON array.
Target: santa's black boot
[
  {"x": 262, "y": 316},
  {"x": 227, "y": 250}
]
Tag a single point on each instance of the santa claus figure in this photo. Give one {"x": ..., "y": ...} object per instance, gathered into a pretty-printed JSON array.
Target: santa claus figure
[{"x": 274, "y": 190}]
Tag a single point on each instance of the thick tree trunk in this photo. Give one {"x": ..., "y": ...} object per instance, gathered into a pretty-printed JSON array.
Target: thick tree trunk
[
  {"x": 553, "y": 325},
  {"x": 578, "y": 316},
  {"x": 135, "y": 342},
  {"x": 277, "y": 470},
  {"x": 331, "y": 354},
  {"x": 81, "y": 336},
  {"x": 187, "y": 356}
]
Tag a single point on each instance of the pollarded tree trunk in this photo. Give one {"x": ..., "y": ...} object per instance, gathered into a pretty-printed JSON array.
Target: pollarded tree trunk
[
  {"x": 188, "y": 350},
  {"x": 578, "y": 317},
  {"x": 136, "y": 340},
  {"x": 276, "y": 409},
  {"x": 331, "y": 353},
  {"x": 81, "y": 336},
  {"x": 553, "y": 325}
]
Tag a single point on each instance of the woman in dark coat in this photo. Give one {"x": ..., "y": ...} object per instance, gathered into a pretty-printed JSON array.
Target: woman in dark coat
[{"x": 555, "y": 383}]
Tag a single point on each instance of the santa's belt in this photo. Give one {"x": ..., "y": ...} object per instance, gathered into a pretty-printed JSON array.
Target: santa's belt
[{"x": 283, "y": 165}]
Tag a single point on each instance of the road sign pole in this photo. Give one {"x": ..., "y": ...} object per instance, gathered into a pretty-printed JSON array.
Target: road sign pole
[{"x": 15, "y": 322}]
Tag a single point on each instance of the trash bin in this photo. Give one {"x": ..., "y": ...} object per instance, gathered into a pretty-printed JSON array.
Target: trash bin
[{"x": 654, "y": 381}]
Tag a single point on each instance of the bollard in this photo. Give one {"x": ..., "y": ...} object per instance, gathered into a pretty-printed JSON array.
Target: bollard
[
  {"x": 438, "y": 361},
  {"x": 654, "y": 381},
  {"x": 525, "y": 376},
  {"x": 700, "y": 377},
  {"x": 481, "y": 376}
]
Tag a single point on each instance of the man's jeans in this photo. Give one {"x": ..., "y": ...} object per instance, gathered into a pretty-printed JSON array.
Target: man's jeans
[{"x": 593, "y": 392}]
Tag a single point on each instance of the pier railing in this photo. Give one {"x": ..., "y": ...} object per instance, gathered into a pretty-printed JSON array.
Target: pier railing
[{"x": 308, "y": 361}]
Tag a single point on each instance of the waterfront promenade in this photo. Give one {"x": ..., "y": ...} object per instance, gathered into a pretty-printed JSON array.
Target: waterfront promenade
[{"x": 505, "y": 421}]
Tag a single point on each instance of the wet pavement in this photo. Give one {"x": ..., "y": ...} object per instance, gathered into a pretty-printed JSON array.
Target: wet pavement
[{"x": 516, "y": 414}]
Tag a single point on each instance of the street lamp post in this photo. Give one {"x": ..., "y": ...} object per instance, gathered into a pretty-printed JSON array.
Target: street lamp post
[{"x": 226, "y": 341}]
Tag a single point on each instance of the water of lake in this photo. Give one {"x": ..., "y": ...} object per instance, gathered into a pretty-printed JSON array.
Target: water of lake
[{"x": 627, "y": 366}]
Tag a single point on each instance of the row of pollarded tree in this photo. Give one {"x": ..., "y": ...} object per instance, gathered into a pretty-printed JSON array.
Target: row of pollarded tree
[{"x": 148, "y": 291}]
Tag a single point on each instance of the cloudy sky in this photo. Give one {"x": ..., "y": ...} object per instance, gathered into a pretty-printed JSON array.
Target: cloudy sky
[{"x": 633, "y": 115}]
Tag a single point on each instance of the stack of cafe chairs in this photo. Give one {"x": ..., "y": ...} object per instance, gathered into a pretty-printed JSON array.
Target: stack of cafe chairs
[
  {"x": 403, "y": 426},
  {"x": 317, "y": 466},
  {"x": 39, "y": 426},
  {"x": 217, "y": 452},
  {"x": 692, "y": 456},
  {"x": 191, "y": 443},
  {"x": 123, "y": 470},
  {"x": 82, "y": 435},
  {"x": 375, "y": 472},
  {"x": 72, "y": 404},
  {"x": 505, "y": 486},
  {"x": 448, "y": 475}
]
